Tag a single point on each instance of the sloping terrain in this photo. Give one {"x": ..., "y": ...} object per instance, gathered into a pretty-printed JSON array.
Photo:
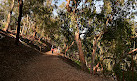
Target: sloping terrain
[
  {"x": 23, "y": 63},
  {"x": 13, "y": 57}
]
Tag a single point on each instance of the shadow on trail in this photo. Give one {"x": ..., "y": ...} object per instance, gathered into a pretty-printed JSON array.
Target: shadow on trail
[
  {"x": 70, "y": 62},
  {"x": 23, "y": 63},
  {"x": 12, "y": 57}
]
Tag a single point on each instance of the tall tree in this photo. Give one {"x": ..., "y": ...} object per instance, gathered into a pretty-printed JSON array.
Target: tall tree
[
  {"x": 20, "y": 4},
  {"x": 40, "y": 12},
  {"x": 9, "y": 16},
  {"x": 74, "y": 20}
]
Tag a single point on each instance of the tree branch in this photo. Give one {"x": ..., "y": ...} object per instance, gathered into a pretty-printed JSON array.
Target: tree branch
[{"x": 132, "y": 51}]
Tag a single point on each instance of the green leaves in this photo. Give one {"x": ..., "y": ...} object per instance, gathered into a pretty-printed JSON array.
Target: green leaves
[{"x": 107, "y": 7}]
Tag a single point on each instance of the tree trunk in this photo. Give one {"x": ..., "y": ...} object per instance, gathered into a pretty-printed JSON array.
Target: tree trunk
[
  {"x": 16, "y": 29},
  {"x": 35, "y": 32},
  {"x": 26, "y": 30},
  {"x": 66, "y": 51},
  {"x": 81, "y": 54},
  {"x": 95, "y": 41},
  {"x": 23, "y": 28},
  {"x": 132, "y": 65},
  {"x": 68, "y": 47},
  {"x": 9, "y": 16},
  {"x": 93, "y": 54},
  {"x": 78, "y": 41},
  {"x": 20, "y": 3}
]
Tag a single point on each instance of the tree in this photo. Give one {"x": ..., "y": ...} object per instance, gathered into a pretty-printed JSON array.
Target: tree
[
  {"x": 118, "y": 36},
  {"x": 9, "y": 16},
  {"x": 102, "y": 23},
  {"x": 40, "y": 12},
  {"x": 74, "y": 18},
  {"x": 8, "y": 9},
  {"x": 20, "y": 3}
]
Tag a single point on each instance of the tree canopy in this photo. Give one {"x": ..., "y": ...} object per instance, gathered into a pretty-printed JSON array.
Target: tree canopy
[{"x": 99, "y": 35}]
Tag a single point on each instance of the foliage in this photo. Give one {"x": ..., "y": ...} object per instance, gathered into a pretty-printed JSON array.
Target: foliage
[
  {"x": 114, "y": 24},
  {"x": 116, "y": 42}
]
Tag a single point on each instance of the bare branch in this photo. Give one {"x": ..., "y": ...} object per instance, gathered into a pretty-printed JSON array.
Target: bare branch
[{"x": 132, "y": 51}]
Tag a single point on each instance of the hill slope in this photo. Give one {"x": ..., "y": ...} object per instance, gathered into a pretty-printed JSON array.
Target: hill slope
[{"x": 22, "y": 63}]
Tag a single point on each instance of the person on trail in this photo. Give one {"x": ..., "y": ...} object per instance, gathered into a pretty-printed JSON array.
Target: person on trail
[{"x": 52, "y": 49}]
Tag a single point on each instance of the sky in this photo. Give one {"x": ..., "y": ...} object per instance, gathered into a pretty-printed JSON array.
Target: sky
[
  {"x": 97, "y": 4},
  {"x": 58, "y": 4}
]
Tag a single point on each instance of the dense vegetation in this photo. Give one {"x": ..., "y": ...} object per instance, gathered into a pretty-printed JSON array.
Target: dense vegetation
[{"x": 101, "y": 39}]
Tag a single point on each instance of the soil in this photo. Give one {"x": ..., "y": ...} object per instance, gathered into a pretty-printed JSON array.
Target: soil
[{"x": 23, "y": 63}]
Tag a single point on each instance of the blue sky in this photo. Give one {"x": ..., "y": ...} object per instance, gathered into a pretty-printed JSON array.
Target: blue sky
[
  {"x": 97, "y": 4},
  {"x": 59, "y": 3}
]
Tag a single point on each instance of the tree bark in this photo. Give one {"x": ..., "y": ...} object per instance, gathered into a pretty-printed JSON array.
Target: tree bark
[
  {"x": 68, "y": 47},
  {"x": 95, "y": 41},
  {"x": 35, "y": 32},
  {"x": 9, "y": 16},
  {"x": 23, "y": 29},
  {"x": 78, "y": 41},
  {"x": 81, "y": 54},
  {"x": 132, "y": 65},
  {"x": 132, "y": 51},
  {"x": 27, "y": 24},
  {"x": 20, "y": 3},
  {"x": 93, "y": 54}
]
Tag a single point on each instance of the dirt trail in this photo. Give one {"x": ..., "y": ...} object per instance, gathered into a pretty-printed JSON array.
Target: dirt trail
[
  {"x": 22, "y": 63},
  {"x": 51, "y": 68}
]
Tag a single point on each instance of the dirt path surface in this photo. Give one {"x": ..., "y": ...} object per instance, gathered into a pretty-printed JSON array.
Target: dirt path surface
[
  {"x": 23, "y": 63},
  {"x": 51, "y": 68}
]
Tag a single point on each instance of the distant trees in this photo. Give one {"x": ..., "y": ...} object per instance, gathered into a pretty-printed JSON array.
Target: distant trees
[
  {"x": 40, "y": 13},
  {"x": 9, "y": 16},
  {"x": 38, "y": 16},
  {"x": 103, "y": 39},
  {"x": 8, "y": 10},
  {"x": 108, "y": 32}
]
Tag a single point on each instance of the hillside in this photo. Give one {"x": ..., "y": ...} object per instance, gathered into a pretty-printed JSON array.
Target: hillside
[{"x": 23, "y": 63}]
